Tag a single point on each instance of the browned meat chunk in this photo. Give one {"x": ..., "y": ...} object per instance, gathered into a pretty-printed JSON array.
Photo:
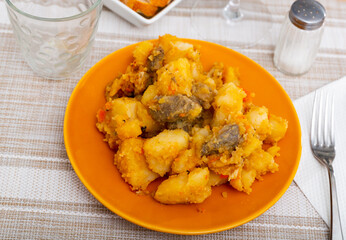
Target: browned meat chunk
[
  {"x": 204, "y": 94},
  {"x": 227, "y": 139},
  {"x": 174, "y": 108},
  {"x": 155, "y": 61}
]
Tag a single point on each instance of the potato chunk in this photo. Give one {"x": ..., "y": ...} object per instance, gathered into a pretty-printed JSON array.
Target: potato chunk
[
  {"x": 125, "y": 118},
  {"x": 175, "y": 78},
  {"x": 149, "y": 95},
  {"x": 262, "y": 162},
  {"x": 244, "y": 182},
  {"x": 256, "y": 165},
  {"x": 161, "y": 150},
  {"x": 232, "y": 75},
  {"x": 230, "y": 97},
  {"x": 181, "y": 50},
  {"x": 185, "y": 188},
  {"x": 278, "y": 128},
  {"x": 250, "y": 144},
  {"x": 131, "y": 163},
  {"x": 167, "y": 41},
  {"x": 199, "y": 136},
  {"x": 258, "y": 117},
  {"x": 142, "y": 52},
  {"x": 216, "y": 179},
  {"x": 185, "y": 161}
]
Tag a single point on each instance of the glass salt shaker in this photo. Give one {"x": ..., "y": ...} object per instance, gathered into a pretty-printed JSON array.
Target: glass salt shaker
[{"x": 300, "y": 37}]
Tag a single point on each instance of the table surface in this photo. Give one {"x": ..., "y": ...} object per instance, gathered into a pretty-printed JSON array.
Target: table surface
[{"x": 40, "y": 195}]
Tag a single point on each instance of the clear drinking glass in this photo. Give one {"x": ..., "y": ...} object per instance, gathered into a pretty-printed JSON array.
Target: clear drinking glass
[
  {"x": 55, "y": 36},
  {"x": 234, "y": 23}
]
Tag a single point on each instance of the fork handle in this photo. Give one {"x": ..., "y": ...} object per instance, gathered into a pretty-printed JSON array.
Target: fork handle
[{"x": 335, "y": 226}]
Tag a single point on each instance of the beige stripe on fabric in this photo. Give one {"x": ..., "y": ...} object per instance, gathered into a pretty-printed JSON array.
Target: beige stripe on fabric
[{"x": 52, "y": 226}]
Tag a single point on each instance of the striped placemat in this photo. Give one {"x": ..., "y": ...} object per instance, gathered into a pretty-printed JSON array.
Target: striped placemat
[{"x": 40, "y": 195}]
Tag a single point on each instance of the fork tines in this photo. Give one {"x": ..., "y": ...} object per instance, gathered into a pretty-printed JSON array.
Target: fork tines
[{"x": 323, "y": 126}]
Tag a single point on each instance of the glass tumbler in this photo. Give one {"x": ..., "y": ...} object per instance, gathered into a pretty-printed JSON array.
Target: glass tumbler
[{"x": 55, "y": 36}]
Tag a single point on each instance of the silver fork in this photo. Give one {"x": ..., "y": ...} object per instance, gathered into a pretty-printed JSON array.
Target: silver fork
[{"x": 322, "y": 142}]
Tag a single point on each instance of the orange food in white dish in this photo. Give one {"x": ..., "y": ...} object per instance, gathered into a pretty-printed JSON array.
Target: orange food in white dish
[{"x": 148, "y": 8}]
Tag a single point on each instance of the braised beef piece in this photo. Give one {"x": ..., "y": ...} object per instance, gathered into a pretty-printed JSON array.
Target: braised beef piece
[
  {"x": 173, "y": 108},
  {"x": 155, "y": 61},
  {"x": 226, "y": 140},
  {"x": 203, "y": 94}
]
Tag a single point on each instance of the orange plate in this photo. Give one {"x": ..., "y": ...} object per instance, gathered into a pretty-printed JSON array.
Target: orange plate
[{"x": 92, "y": 159}]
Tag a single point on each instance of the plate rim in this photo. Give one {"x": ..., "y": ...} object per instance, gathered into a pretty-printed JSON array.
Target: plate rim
[{"x": 166, "y": 229}]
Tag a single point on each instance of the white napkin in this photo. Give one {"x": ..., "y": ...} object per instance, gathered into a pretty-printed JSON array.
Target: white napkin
[{"x": 312, "y": 177}]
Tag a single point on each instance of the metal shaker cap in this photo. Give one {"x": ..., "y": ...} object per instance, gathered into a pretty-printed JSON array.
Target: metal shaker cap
[{"x": 307, "y": 14}]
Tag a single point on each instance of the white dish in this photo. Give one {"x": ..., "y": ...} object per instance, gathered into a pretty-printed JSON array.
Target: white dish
[{"x": 132, "y": 16}]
